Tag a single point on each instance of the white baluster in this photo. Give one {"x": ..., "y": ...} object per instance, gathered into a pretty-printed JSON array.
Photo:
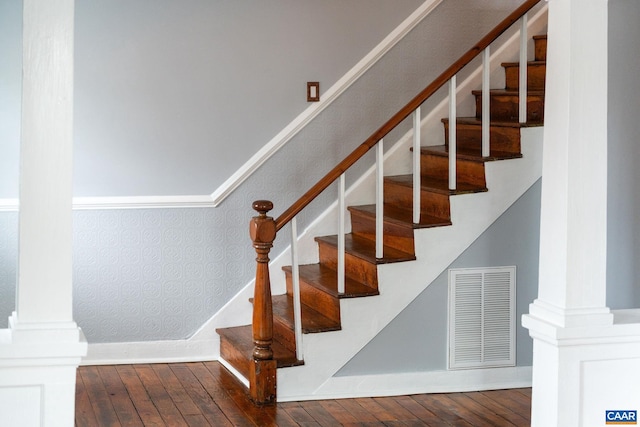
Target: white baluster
[
  {"x": 295, "y": 277},
  {"x": 452, "y": 133},
  {"x": 416, "y": 166},
  {"x": 379, "y": 199},
  {"x": 341, "y": 234},
  {"x": 486, "y": 105},
  {"x": 523, "y": 70}
]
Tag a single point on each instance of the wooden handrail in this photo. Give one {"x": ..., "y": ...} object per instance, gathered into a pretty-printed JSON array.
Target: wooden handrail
[{"x": 394, "y": 121}]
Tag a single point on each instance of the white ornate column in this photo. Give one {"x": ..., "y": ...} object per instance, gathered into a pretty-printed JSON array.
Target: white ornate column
[
  {"x": 41, "y": 350},
  {"x": 586, "y": 360}
]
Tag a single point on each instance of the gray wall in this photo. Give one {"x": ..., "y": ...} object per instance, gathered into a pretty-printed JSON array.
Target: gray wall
[
  {"x": 10, "y": 95},
  {"x": 623, "y": 249},
  {"x": 172, "y": 97},
  {"x": 138, "y": 267},
  {"x": 416, "y": 340}
]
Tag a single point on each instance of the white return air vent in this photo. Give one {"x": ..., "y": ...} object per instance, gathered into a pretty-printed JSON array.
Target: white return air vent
[{"x": 482, "y": 317}]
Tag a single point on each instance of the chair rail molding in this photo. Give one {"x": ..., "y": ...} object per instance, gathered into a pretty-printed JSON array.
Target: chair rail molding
[{"x": 129, "y": 202}]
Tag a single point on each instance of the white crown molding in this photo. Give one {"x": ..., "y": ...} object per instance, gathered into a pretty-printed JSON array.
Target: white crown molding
[{"x": 328, "y": 97}]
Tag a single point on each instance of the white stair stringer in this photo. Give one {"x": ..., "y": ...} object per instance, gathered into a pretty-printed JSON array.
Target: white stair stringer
[{"x": 400, "y": 283}]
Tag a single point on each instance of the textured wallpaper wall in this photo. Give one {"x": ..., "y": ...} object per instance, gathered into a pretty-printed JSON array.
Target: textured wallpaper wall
[
  {"x": 159, "y": 274},
  {"x": 152, "y": 274}
]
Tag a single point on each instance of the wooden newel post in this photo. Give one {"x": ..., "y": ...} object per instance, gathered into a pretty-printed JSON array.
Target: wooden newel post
[{"x": 263, "y": 368}]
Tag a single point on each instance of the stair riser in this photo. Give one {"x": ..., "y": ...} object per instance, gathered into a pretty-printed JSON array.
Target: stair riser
[
  {"x": 283, "y": 333},
  {"x": 507, "y": 107},
  {"x": 540, "y": 48},
  {"x": 395, "y": 235},
  {"x": 502, "y": 138},
  {"x": 321, "y": 301},
  {"x": 355, "y": 268},
  {"x": 535, "y": 76},
  {"x": 234, "y": 357},
  {"x": 466, "y": 170},
  {"x": 434, "y": 204}
]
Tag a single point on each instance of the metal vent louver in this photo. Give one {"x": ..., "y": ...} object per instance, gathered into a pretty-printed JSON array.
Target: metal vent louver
[{"x": 482, "y": 317}]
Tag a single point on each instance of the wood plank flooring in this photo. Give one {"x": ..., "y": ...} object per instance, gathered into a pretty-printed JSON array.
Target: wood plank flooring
[{"x": 205, "y": 394}]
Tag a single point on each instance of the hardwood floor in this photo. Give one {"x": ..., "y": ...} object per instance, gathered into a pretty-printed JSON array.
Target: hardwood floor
[{"x": 205, "y": 394}]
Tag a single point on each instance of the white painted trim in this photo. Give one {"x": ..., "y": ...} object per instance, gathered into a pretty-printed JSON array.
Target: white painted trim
[
  {"x": 328, "y": 97},
  {"x": 402, "y": 383},
  {"x": 130, "y": 202},
  {"x": 8, "y": 205},
  {"x": 142, "y": 202},
  {"x": 174, "y": 351}
]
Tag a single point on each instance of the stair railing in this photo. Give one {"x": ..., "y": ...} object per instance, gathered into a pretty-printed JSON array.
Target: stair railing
[{"x": 264, "y": 228}]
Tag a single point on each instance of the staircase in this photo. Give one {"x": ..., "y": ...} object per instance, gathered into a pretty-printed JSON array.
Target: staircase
[{"x": 318, "y": 282}]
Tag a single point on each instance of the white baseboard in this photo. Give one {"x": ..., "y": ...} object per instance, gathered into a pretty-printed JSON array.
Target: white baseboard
[
  {"x": 398, "y": 384},
  {"x": 174, "y": 351}
]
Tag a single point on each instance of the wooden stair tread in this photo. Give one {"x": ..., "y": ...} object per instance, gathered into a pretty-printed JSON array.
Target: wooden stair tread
[
  {"x": 474, "y": 121},
  {"x": 470, "y": 153},
  {"x": 517, "y": 64},
  {"x": 241, "y": 337},
  {"x": 540, "y": 37},
  {"x": 511, "y": 92},
  {"x": 437, "y": 185},
  {"x": 365, "y": 249},
  {"x": 403, "y": 217},
  {"x": 312, "y": 321},
  {"x": 326, "y": 279}
]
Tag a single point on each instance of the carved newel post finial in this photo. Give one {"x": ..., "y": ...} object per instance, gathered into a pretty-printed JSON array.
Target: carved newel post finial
[{"x": 262, "y": 230}]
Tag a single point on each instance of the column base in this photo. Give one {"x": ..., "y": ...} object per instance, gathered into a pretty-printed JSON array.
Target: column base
[
  {"x": 38, "y": 373},
  {"x": 581, "y": 372},
  {"x": 571, "y": 317}
]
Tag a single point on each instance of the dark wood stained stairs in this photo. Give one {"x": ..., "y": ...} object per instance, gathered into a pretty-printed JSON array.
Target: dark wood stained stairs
[{"x": 319, "y": 296}]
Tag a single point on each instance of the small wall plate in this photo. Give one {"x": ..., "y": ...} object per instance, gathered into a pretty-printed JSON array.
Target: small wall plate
[{"x": 313, "y": 91}]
